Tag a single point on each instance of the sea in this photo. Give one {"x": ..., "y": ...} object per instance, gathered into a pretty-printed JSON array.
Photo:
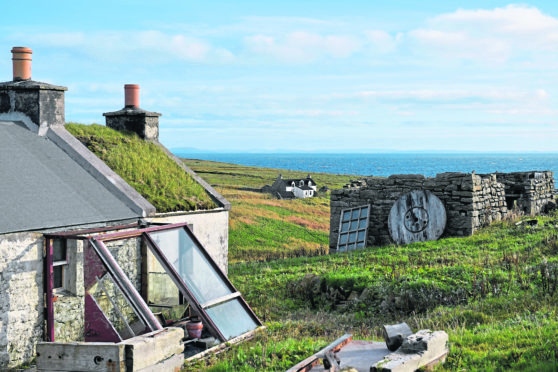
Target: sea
[{"x": 383, "y": 165}]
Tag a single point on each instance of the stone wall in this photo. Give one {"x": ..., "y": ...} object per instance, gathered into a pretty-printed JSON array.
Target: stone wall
[
  {"x": 471, "y": 200},
  {"x": 21, "y": 297}
]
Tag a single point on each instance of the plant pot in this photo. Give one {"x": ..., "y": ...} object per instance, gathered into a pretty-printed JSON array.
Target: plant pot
[{"x": 194, "y": 329}]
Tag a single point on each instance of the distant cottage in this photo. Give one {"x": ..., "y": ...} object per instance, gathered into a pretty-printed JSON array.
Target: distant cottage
[{"x": 292, "y": 188}]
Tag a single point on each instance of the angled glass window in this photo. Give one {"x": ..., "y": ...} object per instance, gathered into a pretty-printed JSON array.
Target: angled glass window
[
  {"x": 202, "y": 283},
  {"x": 353, "y": 228}
]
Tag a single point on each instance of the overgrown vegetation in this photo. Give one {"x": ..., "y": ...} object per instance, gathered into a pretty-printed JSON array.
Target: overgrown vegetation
[
  {"x": 494, "y": 293},
  {"x": 145, "y": 167}
]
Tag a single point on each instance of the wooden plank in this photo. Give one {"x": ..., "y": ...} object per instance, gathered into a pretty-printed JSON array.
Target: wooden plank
[
  {"x": 152, "y": 348},
  {"x": 80, "y": 357},
  {"x": 224, "y": 346},
  {"x": 308, "y": 363}
]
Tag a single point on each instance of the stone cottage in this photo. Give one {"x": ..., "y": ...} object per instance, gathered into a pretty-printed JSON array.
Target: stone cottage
[
  {"x": 360, "y": 212},
  {"x": 59, "y": 279},
  {"x": 293, "y": 188}
]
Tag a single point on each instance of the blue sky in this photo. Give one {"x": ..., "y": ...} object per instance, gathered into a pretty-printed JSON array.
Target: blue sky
[{"x": 325, "y": 76}]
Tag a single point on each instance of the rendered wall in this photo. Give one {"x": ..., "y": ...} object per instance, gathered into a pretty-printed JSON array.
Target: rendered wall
[
  {"x": 21, "y": 297},
  {"x": 210, "y": 227}
]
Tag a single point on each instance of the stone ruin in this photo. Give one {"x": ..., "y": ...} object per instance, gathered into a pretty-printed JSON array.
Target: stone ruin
[{"x": 471, "y": 200}]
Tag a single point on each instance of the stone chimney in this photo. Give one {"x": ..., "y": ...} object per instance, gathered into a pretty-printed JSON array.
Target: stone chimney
[
  {"x": 32, "y": 102},
  {"x": 133, "y": 118}
]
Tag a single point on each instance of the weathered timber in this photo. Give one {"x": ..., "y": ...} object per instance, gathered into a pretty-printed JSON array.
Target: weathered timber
[
  {"x": 417, "y": 216},
  {"x": 152, "y": 348},
  {"x": 423, "y": 349},
  {"x": 81, "y": 357},
  {"x": 308, "y": 363}
]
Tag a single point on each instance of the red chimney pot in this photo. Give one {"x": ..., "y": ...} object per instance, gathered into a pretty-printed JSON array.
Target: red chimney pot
[
  {"x": 21, "y": 58},
  {"x": 131, "y": 95}
]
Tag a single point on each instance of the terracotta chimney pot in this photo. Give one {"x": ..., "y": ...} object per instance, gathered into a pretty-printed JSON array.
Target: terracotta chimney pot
[
  {"x": 131, "y": 95},
  {"x": 21, "y": 58}
]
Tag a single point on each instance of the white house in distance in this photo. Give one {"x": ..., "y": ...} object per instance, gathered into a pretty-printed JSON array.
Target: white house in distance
[{"x": 294, "y": 188}]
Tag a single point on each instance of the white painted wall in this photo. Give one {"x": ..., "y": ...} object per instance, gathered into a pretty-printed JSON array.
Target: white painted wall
[{"x": 210, "y": 227}]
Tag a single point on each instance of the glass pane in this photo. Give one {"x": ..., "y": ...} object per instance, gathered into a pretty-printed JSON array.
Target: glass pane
[
  {"x": 355, "y": 214},
  {"x": 351, "y": 247},
  {"x": 342, "y": 248},
  {"x": 364, "y": 212},
  {"x": 360, "y": 236},
  {"x": 58, "y": 276},
  {"x": 352, "y": 237},
  {"x": 231, "y": 319},
  {"x": 360, "y": 245},
  {"x": 345, "y": 227},
  {"x": 343, "y": 239},
  {"x": 362, "y": 224},
  {"x": 354, "y": 225},
  {"x": 193, "y": 267},
  {"x": 58, "y": 250},
  {"x": 346, "y": 215},
  {"x": 116, "y": 308}
]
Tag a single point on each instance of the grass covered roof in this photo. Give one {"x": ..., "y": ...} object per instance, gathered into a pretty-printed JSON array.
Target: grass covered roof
[{"x": 145, "y": 167}]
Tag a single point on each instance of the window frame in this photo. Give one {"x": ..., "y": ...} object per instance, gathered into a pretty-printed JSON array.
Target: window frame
[
  {"x": 344, "y": 245},
  {"x": 63, "y": 263}
]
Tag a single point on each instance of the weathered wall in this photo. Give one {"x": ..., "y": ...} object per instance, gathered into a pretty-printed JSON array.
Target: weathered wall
[
  {"x": 531, "y": 191},
  {"x": 210, "y": 227},
  {"x": 68, "y": 307},
  {"x": 471, "y": 200},
  {"x": 21, "y": 297}
]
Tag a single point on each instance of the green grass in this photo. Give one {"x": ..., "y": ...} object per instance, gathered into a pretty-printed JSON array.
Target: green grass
[
  {"x": 263, "y": 228},
  {"x": 494, "y": 293},
  {"x": 145, "y": 167}
]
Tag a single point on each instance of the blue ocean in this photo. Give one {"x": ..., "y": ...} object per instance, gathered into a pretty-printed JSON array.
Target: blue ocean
[{"x": 387, "y": 164}]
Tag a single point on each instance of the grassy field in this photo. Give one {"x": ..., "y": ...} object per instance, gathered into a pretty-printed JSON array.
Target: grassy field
[
  {"x": 494, "y": 293},
  {"x": 263, "y": 228}
]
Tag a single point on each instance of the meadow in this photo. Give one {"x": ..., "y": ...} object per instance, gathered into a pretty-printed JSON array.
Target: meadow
[{"x": 494, "y": 293}]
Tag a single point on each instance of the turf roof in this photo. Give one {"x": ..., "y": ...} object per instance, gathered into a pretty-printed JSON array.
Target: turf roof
[{"x": 145, "y": 167}]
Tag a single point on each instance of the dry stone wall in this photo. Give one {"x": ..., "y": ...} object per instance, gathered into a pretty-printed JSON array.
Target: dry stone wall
[{"x": 471, "y": 200}]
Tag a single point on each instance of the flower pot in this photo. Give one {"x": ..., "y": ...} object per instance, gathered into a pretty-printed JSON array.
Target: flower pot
[{"x": 194, "y": 329}]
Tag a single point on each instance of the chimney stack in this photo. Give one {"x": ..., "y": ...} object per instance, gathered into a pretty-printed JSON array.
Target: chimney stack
[
  {"x": 23, "y": 99},
  {"x": 131, "y": 95},
  {"x": 132, "y": 118},
  {"x": 21, "y": 59}
]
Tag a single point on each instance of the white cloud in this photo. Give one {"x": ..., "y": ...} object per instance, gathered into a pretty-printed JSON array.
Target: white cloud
[
  {"x": 493, "y": 35},
  {"x": 381, "y": 41},
  {"x": 121, "y": 45},
  {"x": 302, "y": 46}
]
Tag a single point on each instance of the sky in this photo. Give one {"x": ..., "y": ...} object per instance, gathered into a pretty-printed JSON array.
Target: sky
[{"x": 305, "y": 76}]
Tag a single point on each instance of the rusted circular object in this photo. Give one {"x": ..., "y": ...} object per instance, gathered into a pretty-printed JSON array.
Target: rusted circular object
[{"x": 417, "y": 216}]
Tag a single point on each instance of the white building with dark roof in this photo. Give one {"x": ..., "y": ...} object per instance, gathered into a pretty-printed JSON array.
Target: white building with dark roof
[{"x": 75, "y": 238}]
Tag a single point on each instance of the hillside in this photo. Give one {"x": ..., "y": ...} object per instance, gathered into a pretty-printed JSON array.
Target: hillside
[
  {"x": 262, "y": 227},
  {"x": 494, "y": 293}
]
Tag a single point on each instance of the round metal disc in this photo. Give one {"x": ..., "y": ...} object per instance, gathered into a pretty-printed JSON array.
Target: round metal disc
[{"x": 417, "y": 216}]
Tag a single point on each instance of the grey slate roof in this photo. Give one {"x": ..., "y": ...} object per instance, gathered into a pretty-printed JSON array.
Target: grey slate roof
[{"x": 42, "y": 187}]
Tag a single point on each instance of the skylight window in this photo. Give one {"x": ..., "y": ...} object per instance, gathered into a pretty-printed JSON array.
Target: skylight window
[{"x": 353, "y": 228}]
